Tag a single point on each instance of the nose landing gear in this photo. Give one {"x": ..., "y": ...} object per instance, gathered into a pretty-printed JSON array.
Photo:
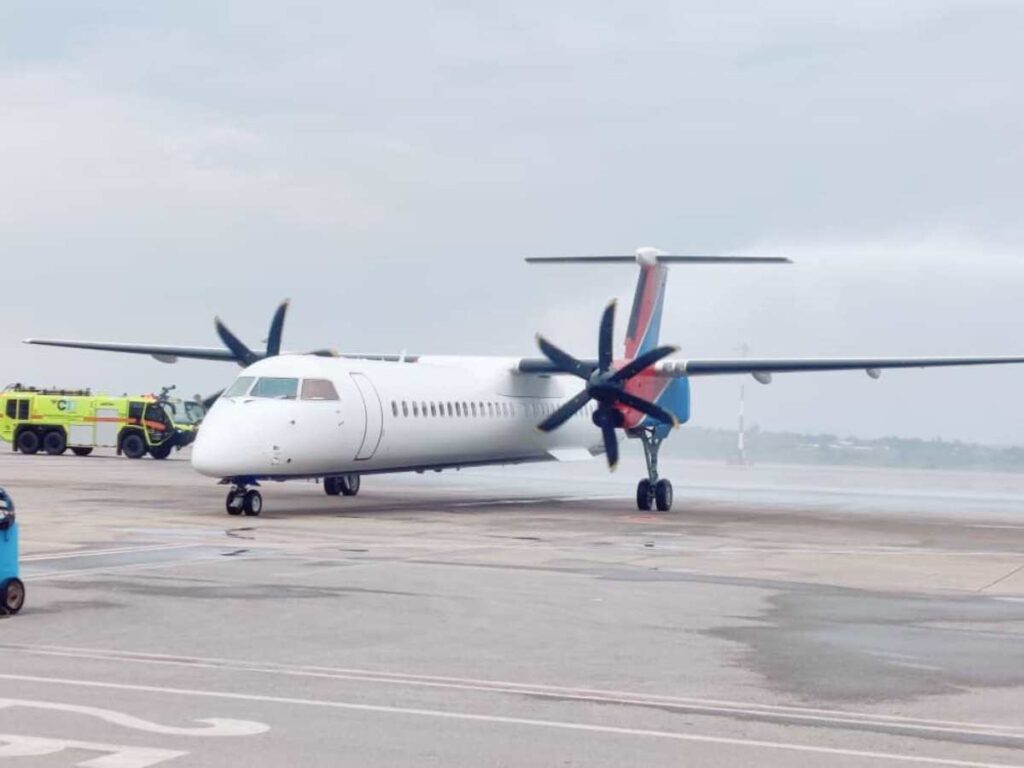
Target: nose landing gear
[
  {"x": 244, "y": 500},
  {"x": 652, "y": 491}
]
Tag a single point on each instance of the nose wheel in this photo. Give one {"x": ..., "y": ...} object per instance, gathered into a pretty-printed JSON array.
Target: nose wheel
[
  {"x": 652, "y": 491},
  {"x": 244, "y": 501}
]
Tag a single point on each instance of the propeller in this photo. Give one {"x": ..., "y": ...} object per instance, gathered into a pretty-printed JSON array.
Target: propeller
[
  {"x": 605, "y": 386},
  {"x": 245, "y": 356}
]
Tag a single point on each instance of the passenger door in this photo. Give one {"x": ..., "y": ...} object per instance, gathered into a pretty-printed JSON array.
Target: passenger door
[{"x": 374, "y": 417}]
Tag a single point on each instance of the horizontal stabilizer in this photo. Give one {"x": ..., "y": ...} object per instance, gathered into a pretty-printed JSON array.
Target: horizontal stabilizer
[{"x": 658, "y": 258}]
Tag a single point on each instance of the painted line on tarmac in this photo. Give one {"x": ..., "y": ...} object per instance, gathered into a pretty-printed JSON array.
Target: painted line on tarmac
[
  {"x": 712, "y": 707},
  {"x": 105, "y": 552},
  {"x": 507, "y": 720}
]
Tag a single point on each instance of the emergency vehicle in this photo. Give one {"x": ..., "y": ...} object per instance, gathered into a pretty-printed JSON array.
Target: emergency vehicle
[{"x": 53, "y": 420}]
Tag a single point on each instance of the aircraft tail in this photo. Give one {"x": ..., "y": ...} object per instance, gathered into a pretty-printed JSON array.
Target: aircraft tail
[{"x": 645, "y": 318}]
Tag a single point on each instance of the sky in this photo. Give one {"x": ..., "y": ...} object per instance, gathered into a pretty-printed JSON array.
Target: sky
[{"x": 387, "y": 166}]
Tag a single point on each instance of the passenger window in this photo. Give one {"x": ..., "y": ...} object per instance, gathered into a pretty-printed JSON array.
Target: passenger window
[
  {"x": 450, "y": 411},
  {"x": 405, "y": 409},
  {"x": 394, "y": 409},
  {"x": 240, "y": 387},
  {"x": 276, "y": 388},
  {"x": 473, "y": 409},
  {"x": 415, "y": 408},
  {"x": 433, "y": 409},
  {"x": 12, "y": 409},
  {"x": 23, "y": 410},
  {"x": 321, "y": 389},
  {"x": 423, "y": 409}
]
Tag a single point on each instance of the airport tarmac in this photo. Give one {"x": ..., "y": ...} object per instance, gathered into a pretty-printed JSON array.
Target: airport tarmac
[{"x": 526, "y": 616}]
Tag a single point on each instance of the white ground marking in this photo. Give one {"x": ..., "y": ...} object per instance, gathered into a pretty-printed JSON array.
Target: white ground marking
[
  {"x": 521, "y": 721},
  {"x": 114, "y": 755},
  {"x": 215, "y": 726},
  {"x": 104, "y": 552},
  {"x": 829, "y": 716}
]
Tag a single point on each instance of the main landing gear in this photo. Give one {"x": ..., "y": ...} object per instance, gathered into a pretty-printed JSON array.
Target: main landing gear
[
  {"x": 244, "y": 500},
  {"x": 652, "y": 491},
  {"x": 346, "y": 485}
]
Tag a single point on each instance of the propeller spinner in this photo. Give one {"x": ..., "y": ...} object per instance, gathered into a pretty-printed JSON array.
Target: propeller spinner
[{"x": 605, "y": 386}]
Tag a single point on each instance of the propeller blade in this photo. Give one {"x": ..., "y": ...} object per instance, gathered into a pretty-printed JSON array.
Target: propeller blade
[
  {"x": 642, "y": 363},
  {"x": 645, "y": 406},
  {"x": 605, "y": 337},
  {"x": 243, "y": 355},
  {"x": 565, "y": 362},
  {"x": 276, "y": 329},
  {"x": 611, "y": 446},
  {"x": 564, "y": 412}
]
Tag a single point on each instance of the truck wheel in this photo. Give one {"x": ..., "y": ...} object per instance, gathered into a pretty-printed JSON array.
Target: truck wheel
[
  {"x": 12, "y": 596},
  {"x": 28, "y": 441},
  {"x": 133, "y": 446},
  {"x": 54, "y": 442},
  {"x": 160, "y": 451},
  {"x": 81, "y": 451}
]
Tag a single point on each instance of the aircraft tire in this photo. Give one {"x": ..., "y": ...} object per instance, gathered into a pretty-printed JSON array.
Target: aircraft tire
[
  {"x": 54, "y": 442},
  {"x": 332, "y": 486},
  {"x": 349, "y": 484},
  {"x": 133, "y": 446},
  {"x": 28, "y": 442},
  {"x": 231, "y": 505},
  {"x": 644, "y": 495},
  {"x": 663, "y": 495},
  {"x": 12, "y": 596},
  {"x": 252, "y": 503}
]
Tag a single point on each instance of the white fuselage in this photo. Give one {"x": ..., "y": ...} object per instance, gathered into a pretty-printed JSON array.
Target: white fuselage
[{"x": 434, "y": 413}]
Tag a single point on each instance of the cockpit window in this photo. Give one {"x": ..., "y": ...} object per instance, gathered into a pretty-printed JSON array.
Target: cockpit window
[
  {"x": 276, "y": 388},
  {"x": 240, "y": 387},
  {"x": 319, "y": 389}
]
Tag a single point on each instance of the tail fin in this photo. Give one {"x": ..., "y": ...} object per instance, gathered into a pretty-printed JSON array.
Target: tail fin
[
  {"x": 645, "y": 318},
  {"x": 649, "y": 299}
]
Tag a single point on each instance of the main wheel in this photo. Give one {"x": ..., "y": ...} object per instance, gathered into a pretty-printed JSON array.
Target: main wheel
[
  {"x": 232, "y": 503},
  {"x": 133, "y": 446},
  {"x": 644, "y": 495},
  {"x": 252, "y": 503},
  {"x": 28, "y": 441},
  {"x": 332, "y": 486},
  {"x": 12, "y": 596},
  {"x": 349, "y": 484},
  {"x": 663, "y": 495},
  {"x": 81, "y": 450},
  {"x": 54, "y": 442},
  {"x": 161, "y": 451}
]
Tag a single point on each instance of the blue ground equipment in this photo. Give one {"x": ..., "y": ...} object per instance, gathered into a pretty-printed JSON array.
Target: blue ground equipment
[{"x": 12, "y": 591}]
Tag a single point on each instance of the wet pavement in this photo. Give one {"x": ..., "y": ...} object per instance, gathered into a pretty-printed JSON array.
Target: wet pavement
[{"x": 516, "y": 617}]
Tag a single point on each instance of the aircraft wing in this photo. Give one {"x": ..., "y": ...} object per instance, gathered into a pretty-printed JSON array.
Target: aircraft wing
[
  {"x": 164, "y": 354},
  {"x": 762, "y": 369}
]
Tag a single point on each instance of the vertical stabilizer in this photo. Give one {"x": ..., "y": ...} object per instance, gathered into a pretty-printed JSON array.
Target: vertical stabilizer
[{"x": 645, "y": 318}]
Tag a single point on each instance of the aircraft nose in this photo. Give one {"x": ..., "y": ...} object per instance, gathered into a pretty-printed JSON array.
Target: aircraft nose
[{"x": 225, "y": 446}]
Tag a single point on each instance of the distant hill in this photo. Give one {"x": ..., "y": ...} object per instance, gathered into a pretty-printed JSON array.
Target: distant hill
[{"x": 795, "y": 448}]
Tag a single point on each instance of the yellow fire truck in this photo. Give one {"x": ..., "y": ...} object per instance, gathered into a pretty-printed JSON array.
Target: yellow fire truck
[{"x": 55, "y": 420}]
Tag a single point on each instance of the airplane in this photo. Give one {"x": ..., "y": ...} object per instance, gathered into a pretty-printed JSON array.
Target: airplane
[{"x": 337, "y": 417}]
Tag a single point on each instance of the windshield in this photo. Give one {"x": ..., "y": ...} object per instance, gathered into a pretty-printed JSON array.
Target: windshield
[
  {"x": 240, "y": 387},
  {"x": 276, "y": 388},
  {"x": 184, "y": 411}
]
